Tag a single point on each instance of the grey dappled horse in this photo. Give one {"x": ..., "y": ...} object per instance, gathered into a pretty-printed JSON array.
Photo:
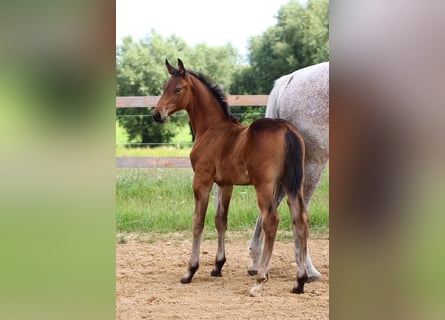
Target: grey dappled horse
[{"x": 302, "y": 98}]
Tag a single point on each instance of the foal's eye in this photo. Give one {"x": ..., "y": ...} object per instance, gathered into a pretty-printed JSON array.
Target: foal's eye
[{"x": 177, "y": 90}]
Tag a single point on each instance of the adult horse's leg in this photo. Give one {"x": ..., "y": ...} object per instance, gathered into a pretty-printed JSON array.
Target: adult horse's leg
[
  {"x": 201, "y": 190},
  {"x": 270, "y": 219},
  {"x": 256, "y": 246},
  {"x": 223, "y": 196},
  {"x": 312, "y": 177},
  {"x": 300, "y": 227}
]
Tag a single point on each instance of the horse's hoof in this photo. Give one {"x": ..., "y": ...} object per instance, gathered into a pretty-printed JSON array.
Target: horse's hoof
[
  {"x": 255, "y": 292},
  {"x": 186, "y": 280},
  {"x": 258, "y": 286},
  {"x": 216, "y": 273},
  {"x": 252, "y": 272},
  {"x": 298, "y": 289},
  {"x": 189, "y": 274},
  {"x": 257, "y": 289}
]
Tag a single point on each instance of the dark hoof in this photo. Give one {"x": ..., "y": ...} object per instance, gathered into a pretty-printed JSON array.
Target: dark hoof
[
  {"x": 186, "y": 280},
  {"x": 189, "y": 275},
  {"x": 252, "y": 272},
  {"x": 298, "y": 290},
  {"x": 216, "y": 273}
]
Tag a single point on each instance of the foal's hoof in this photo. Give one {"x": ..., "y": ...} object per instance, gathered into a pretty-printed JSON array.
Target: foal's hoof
[
  {"x": 299, "y": 289},
  {"x": 216, "y": 273},
  {"x": 189, "y": 274},
  {"x": 258, "y": 286},
  {"x": 255, "y": 291},
  {"x": 186, "y": 280}
]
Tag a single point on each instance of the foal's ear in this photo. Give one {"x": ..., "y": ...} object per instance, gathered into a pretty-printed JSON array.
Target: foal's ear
[
  {"x": 181, "y": 68},
  {"x": 172, "y": 70}
]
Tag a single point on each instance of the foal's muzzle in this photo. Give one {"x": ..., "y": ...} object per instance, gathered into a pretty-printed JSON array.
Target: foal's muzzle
[{"x": 157, "y": 117}]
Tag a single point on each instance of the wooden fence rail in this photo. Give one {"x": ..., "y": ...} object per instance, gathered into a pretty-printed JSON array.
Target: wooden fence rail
[
  {"x": 150, "y": 101},
  {"x": 173, "y": 162}
]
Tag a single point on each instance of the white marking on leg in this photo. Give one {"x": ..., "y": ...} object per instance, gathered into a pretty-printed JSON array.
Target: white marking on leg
[
  {"x": 257, "y": 289},
  {"x": 256, "y": 246},
  {"x": 194, "y": 257}
]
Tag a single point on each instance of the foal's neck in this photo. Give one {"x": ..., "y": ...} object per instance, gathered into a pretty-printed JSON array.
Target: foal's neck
[{"x": 204, "y": 110}]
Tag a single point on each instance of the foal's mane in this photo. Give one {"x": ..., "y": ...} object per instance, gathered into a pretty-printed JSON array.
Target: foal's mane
[{"x": 217, "y": 91}]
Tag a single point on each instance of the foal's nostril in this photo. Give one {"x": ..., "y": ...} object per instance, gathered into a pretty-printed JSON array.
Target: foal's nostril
[{"x": 157, "y": 117}]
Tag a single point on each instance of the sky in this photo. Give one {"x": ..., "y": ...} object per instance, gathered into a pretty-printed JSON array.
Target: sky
[{"x": 215, "y": 23}]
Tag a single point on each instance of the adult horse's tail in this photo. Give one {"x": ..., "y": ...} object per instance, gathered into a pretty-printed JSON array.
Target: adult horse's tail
[
  {"x": 294, "y": 163},
  {"x": 272, "y": 110}
]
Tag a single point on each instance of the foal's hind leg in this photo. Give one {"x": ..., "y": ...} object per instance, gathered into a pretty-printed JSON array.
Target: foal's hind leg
[
  {"x": 223, "y": 199},
  {"x": 256, "y": 250},
  {"x": 256, "y": 243},
  {"x": 300, "y": 226},
  {"x": 270, "y": 223},
  {"x": 313, "y": 173}
]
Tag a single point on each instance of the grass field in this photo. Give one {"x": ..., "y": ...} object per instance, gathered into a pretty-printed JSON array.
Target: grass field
[
  {"x": 161, "y": 200},
  {"x": 163, "y": 151}
]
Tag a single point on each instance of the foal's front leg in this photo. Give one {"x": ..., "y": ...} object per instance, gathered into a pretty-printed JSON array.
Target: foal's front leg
[
  {"x": 201, "y": 191},
  {"x": 223, "y": 195}
]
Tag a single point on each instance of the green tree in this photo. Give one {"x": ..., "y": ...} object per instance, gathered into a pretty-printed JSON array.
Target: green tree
[
  {"x": 244, "y": 81},
  {"x": 140, "y": 71},
  {"x": 300, "y": 38}
]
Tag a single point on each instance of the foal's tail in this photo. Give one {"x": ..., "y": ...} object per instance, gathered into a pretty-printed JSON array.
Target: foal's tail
[{"x": 294, "y": 163}]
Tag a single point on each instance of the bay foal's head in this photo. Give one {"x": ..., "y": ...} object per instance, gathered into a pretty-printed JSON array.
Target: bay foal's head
[
  {"x": 193, "y": 92},
  {"x": 176, "y": 94}
]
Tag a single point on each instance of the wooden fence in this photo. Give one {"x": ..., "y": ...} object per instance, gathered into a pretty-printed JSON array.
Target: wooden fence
[{"x": 172, "y": 162}]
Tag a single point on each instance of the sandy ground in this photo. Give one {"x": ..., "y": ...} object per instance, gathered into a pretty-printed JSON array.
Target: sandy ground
[{"x": 149, "y": 267}]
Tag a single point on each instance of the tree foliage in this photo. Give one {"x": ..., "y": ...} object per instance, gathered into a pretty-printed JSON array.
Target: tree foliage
[{"x": 299, "y": 39}]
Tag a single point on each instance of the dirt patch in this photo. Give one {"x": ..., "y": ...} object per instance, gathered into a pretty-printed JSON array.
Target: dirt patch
[{"x": 149, "y": 267}]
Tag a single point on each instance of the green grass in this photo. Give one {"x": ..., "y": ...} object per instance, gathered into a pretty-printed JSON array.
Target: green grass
[
  {"x": 161, "y": 200},
  {"x": 164, "y": 151}
]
